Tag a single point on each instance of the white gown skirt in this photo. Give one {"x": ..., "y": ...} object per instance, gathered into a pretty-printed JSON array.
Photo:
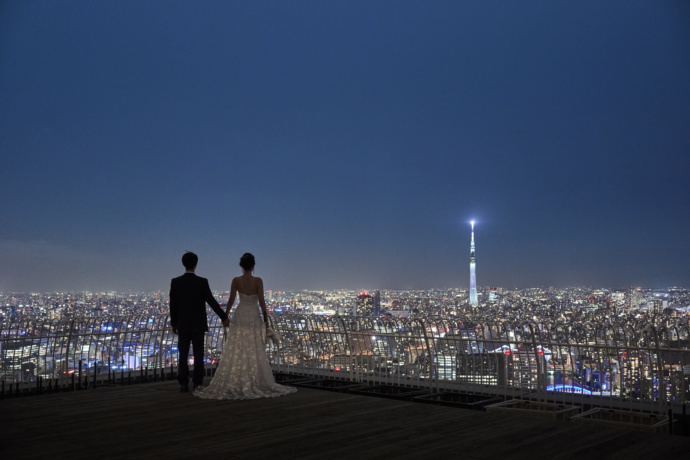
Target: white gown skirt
[{"x": 244, "y": 371}]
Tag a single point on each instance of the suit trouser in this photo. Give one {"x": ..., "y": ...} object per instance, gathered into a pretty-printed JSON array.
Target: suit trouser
[{"x": 197, "y": 341}]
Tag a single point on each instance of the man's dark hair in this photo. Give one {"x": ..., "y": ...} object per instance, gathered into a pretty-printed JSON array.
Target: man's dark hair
[{"x": 189, "y": 260}]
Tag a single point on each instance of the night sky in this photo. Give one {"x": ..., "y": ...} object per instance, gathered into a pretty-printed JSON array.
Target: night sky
[{"x": 347, "y": 144}]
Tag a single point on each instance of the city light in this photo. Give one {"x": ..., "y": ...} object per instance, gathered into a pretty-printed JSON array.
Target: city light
[{"x": 517, "y": 338}]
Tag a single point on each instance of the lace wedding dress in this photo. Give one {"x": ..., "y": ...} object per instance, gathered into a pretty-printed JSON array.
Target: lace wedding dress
[{"x": 244, "y": 371}]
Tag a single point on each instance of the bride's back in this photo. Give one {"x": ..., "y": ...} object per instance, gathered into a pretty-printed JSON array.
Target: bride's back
[{"x": 247, "y": 284}]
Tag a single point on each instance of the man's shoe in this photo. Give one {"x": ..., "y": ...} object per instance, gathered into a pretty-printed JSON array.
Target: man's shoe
[{"x": 184, "y": 388}]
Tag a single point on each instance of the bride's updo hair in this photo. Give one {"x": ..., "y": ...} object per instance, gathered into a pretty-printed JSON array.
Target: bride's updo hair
[{"x": 247, "y": 261}]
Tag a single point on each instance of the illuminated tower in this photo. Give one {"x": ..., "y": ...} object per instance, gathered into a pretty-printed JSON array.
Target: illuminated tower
[{"x": 473, "y": 275}]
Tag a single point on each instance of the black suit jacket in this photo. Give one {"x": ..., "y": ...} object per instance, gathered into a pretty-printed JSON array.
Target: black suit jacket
[{"x": 189, "y": 295}]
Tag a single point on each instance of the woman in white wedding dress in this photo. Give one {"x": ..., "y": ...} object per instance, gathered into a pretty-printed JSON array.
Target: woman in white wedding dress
[{"x": 244, "y": 371}]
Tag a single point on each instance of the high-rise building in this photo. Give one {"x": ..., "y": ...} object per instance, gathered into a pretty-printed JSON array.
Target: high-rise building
[
  {"x": 473, "y": 276},
  {"x": 365, "y": 304}
]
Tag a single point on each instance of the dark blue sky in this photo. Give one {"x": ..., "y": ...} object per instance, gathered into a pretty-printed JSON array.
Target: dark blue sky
[{"x": 346, "y": 144}]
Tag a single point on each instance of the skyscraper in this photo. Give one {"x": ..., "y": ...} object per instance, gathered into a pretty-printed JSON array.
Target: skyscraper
[{"x": 473, "y": 275}]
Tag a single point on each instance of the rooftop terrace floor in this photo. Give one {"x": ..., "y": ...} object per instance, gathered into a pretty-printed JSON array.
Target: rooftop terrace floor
[{"x": 155, "y": 420}]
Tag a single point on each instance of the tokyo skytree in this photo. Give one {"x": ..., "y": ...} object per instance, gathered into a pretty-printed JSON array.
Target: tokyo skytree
[{"x": 473, "y": 274}]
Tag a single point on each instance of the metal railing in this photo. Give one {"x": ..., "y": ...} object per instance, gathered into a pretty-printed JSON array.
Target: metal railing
[
  {"x": 67, "y": 353},
  {"x": 633, "y": 366}
]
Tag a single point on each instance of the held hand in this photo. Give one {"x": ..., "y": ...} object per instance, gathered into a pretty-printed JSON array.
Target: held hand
[{"x": 226, "y": 323}]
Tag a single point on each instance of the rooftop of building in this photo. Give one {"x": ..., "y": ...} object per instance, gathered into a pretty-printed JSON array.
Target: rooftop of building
[{"x": 155, "y": 420}]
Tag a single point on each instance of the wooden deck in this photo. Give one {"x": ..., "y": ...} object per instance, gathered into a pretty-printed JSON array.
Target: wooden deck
[{"x": 155, "y": 420}]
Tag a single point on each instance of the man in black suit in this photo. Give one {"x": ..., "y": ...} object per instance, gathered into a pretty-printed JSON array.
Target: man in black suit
[{"x": 189, "y": 295}]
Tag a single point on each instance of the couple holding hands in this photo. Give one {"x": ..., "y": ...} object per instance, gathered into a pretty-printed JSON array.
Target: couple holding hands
[{"x": 244, "y": 371}]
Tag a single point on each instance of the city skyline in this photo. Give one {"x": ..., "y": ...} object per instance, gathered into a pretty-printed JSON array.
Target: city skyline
[{"x": 346, "y": 145}]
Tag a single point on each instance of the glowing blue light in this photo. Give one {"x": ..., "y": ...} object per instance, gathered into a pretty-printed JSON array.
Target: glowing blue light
[{"x": 568, "y": 389}]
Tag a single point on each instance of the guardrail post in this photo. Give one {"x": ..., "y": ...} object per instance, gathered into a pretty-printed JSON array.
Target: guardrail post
[
  {"x": 432, "y": 367},
  {"x": 660, "y": 374},
  {"x": 69, "y": 341},
  {"x": 541, "y": 373},
  {"x": 346, "y": 331}
]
